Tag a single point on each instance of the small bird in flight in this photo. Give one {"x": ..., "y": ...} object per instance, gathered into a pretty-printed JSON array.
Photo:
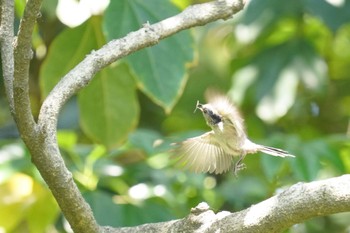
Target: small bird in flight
[{"x": 215, "y": 150}]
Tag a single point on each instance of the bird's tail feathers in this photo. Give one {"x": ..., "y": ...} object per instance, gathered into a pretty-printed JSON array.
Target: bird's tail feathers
[{"x": 275, "y": 151}]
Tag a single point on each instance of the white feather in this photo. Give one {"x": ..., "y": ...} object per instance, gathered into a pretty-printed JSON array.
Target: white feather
[{"x": 202, "y": 154}]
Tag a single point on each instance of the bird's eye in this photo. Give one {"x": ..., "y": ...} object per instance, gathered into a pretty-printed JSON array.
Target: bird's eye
[{"x": 215, "y": 118}]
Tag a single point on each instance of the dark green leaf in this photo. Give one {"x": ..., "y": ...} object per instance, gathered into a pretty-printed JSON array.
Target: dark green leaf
[
  {"x": 272, "y": 166},
  {"x": 306, "y": 165},
  {"x": 261, "y": 17},
  {"x": 160, "y": 70},
  {"x": 109, "y": 106},
  {"x": 333, "y": 16},
  {"x": 65, "y": 52},
  {"x": 145, "y": 139},
  {"x": 105, "y": 210}
]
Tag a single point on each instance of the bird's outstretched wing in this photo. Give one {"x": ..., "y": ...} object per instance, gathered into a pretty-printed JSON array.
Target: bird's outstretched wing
[{"x": 203, "y": 154}]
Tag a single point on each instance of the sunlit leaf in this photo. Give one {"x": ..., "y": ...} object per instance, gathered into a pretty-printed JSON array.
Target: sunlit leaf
[
  {"x": 66, "y": 139},
  {"x": 44, "y": 210},
  {"x": 29, "y": 202}
]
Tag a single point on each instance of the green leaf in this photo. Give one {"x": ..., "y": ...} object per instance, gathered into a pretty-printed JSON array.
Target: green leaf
[
  {"x": 44, "y": 210},
  {"x": 325, "y": 152},
  {"x": 66, "y": 51},
  {"x": 270, "y": 64},
  {"x": 161, "y": 70},
  {"x": 274, "y": 166},
  {"x": 109, "y": 213},
  {"x": 156, "y": 211},
  {"x": 105, "y": 210},
  {"x": 109, "y": 106},
  {"x": 145, "y": 139},
  {"x": 310, "y": 68},
  {"x": 275, "y": 73},
  {"x": 261, "y": 17},
  {"x": 246, "y": 189},
  {"x": 278, "y": 83},
  {"x": 306, "y": 165},
  {"x": 31, "y": 203},
  {"x": 67, "y": 139},
  {"x": 271, "y": 166},
  {"x": 333, "y": 16}
]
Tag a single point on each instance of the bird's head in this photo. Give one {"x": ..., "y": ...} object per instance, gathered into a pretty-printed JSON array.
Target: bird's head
[{"x": 212, "y": 117}]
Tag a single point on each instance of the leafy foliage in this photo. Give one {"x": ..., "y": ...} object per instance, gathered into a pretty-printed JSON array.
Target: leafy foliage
[
  {"x": 160, "y": 79},
  {"x": 285, "y": 63}
]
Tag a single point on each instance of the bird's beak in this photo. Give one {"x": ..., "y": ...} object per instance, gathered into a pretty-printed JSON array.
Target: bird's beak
[{"x": 198, "y": 106}]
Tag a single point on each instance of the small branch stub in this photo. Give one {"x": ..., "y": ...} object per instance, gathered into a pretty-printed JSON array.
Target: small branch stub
[{"x": 200, "y": 208}]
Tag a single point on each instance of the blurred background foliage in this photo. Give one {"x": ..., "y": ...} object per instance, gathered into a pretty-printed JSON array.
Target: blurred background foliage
[{"x": 285, "y": 64}]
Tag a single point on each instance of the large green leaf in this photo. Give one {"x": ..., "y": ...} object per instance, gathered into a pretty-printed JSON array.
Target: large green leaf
[
  {"x": 109, "y": 106},
  {"x": 161, "y": 70},
  {"x": 66, "y": 51}
]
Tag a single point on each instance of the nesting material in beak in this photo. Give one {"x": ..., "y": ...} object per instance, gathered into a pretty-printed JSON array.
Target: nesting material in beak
[{"x": 198, "y": 106}]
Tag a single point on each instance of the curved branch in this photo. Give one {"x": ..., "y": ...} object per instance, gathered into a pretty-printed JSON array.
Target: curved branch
[
  {"x": 15, "y": 64},
  {"x": 147, "y": 36},
  {"x": 22, "y": 56},
  {"x": 294, "y": 205},
  {"x": 45, "y": 152}
]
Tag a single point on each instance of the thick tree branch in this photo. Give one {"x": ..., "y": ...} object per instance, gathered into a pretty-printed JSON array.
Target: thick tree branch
[
  {"x": 147, "y": 36},
  {"x": 294, "y": 205},
  {"x": 22, "y": 56},
  {"x": 300, "y": 202},
  {"x": 6, "y": 41},
  {"x": 45, "y": 156},
  {"x": 45, "y": 151}
]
